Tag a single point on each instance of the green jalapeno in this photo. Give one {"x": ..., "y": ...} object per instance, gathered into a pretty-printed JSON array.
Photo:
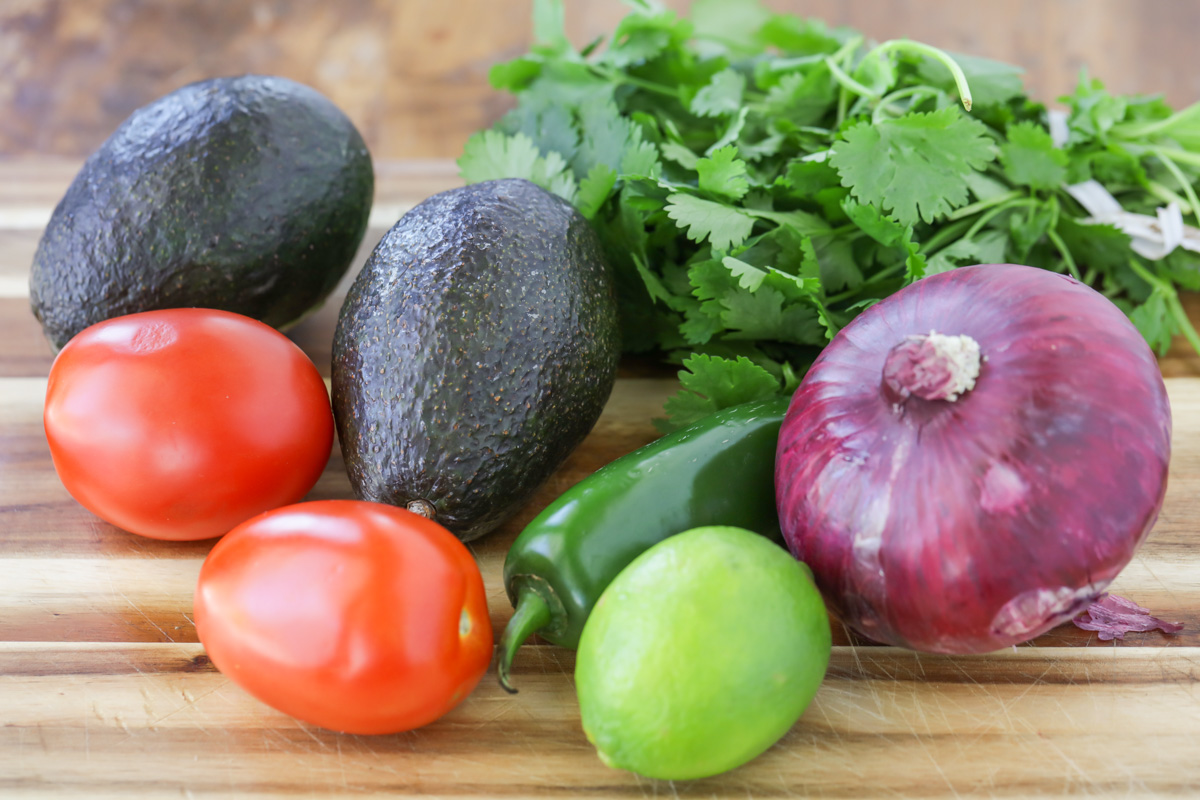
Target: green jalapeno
[{"x": 718, "y": 471}]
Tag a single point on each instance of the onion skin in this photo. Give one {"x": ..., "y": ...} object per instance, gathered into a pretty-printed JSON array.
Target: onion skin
[{"x": 969, "y": 525}]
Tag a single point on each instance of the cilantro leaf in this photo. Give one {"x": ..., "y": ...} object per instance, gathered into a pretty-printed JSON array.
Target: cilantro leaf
[
  {"x": 699, "y": 326},
  {"x": 489, "y": 155},
  {"x": 749, "y": 276},
  {"x": 804, "y": 179},
  {"x": 711, "y": 384},
  {"x": 549, "y": 125},
  {"x": 723, "y": 174},
  {"x": 731, "y": 133},
  {"x": 764, "y": 315},
  {"x": 913, "y": 165},
  {"x": 877, "y": 72},
  {"x": 514, "y": 75},
  {"x": 1031, "y": 159},
  {"x": 721, "y": 96},
  {"x": 1153, "y": 320},
  {"x": 606, "y": 135},
  {"x": 1093, "y": 112},
  {"x": 724, "y": 226},
  {"x": 640, "y": 37},
  {"x": 680, "y": 155},
  {"x": 799, "y": 36},
  {"x": 792, "y": 287},
  {"x": 986, "y": 248},
  {"x": 1026, "y": 230},
  {"x": 595, "y": 189},
  {"x": 733, "y": 23},
  {"x": 889, "y": 233},
  {"x": 803, "y": 98},
  {"x": 640, "y": 157},
  {"x": 838, "y": 264}
]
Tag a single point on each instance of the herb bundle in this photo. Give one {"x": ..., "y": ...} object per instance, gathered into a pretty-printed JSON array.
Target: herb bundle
[{"x": 758, "y": 179}]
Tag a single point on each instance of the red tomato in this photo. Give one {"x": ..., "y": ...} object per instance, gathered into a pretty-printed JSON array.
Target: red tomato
[
  {"x": 182, "y": 423},
  {"x": 355, "y": 616}
]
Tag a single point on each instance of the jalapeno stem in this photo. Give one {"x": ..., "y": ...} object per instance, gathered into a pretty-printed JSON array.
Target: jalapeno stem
[{"x": 531, "y": 614}]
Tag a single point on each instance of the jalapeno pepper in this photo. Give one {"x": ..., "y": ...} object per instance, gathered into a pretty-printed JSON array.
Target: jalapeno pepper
[{"x": 718, "y": 471}]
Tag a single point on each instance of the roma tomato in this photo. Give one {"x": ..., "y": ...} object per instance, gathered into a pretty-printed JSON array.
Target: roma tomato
[
  {"x": 182, "y": 423},
  {"x": 355, "y": 616}
]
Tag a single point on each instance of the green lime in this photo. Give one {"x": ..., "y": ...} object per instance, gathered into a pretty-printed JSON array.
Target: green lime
[{"x": 701, "y": 654}]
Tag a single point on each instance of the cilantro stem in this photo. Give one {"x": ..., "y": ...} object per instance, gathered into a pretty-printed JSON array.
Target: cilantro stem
[
  {"x": 960, "y": 79},
  {"x": 987, "y": 216},
  {"x": 883, "y": 274},
  {"x": 1181, "y": 156},
  {"x": 1172, "y": 297},
  {"x": 632, "y": 80},
  {"x": 846, "y": 51},
  {"x": 982, "y": 205},
  {"x": 1181, "y": 319},
  {"x": 899, "y": 94},
  {"x": 1143, "y": 130},
  {"x": 844, "y": 54},
  {"x": 847, "y": 82},
  {"x": 1065, "y": 252},
  {"x": 1167, "y": 196},
  {"x": 843, "y": 105},
  {"x": 944, "y": 235},
  {"x": 1177, "y": 173}
]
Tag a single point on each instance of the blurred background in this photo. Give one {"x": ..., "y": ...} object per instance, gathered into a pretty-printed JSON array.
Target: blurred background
[{"x": 412, "y": 74}]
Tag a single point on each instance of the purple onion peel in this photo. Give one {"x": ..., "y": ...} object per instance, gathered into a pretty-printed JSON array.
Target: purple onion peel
[{"x": 972, "y": 460}]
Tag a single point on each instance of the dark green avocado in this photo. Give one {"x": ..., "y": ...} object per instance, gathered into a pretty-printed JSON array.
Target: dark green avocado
[
  {"x": 473, "y": 353},
  {"x": 249, "y": 194}
]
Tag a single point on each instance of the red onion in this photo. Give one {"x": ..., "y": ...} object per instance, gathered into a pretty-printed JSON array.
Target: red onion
[{"x": 971, "y": 461}]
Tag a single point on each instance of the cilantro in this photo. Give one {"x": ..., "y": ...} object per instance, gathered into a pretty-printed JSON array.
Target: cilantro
[
  {"x": 1153, "y": 319},
  {"x": 721, "y": 96},
  {"x": 723, "y": 174},
  {"x": 710, "y": 384},
  {"x": 758, "y": 179},
  {"x": 732, "y": 23},
  {"x": 491, "y": 154},
  {"x": 1031, "y": 159},
  {"x": 723, "y": 225},
  {"x": 803, "y": 98},
  {"x": 1093, "y": 111},
  {"x": 992, "y": 82},
  {"x": 913, "y": 165},
  {"x": 595, "y": 188}
]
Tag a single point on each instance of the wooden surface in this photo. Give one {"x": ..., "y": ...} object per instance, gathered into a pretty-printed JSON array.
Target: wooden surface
[
  {"x": 412, "y": 74},
  {"x": 105, "y": 692}
]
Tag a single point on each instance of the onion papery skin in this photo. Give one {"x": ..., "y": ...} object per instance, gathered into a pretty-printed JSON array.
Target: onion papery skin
[{"x": 970, "y": 525}]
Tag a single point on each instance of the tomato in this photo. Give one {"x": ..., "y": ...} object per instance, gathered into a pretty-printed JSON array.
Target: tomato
[
  {"x": 182, "y": 423},
  {"x": 351, "y": 615}
]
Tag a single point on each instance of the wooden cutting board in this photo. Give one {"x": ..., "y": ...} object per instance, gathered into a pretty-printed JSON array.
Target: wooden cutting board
[{"x": 105, "y": 692}]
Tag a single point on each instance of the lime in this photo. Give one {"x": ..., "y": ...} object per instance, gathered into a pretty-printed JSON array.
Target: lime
[{"x": 701, "y": 654}]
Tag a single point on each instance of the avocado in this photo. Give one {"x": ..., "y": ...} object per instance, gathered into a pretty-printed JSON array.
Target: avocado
[
  {"x": 249, "y": 194},
  {"x": 473, "y": 353}
]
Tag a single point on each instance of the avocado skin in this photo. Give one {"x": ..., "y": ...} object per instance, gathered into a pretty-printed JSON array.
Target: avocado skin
[
  {"x": 249, "y": 194},
  {"x": 474, "y": 352}
]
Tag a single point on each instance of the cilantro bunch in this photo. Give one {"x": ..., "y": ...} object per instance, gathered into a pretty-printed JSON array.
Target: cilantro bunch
[{"x": 758, "y": 179}]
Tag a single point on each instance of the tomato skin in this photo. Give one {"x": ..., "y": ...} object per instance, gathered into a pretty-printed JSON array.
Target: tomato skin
[
  {"x": 181, "y": 423},
  {"x": 355, "y": 616}
]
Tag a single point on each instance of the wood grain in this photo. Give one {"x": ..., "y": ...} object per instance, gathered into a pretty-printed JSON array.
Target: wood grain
[
  {"x": 885, "y": 723},
  {"x": 413, "y": 75}
]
